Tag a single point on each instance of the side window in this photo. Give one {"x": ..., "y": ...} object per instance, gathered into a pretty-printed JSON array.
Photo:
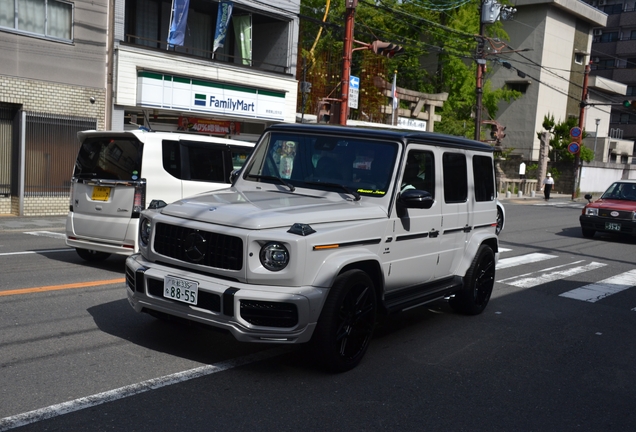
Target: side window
[
  {"x": 455, "y": 177},
  {"x": 206, "y": 164},
  {"x": 484, "y": 178},
  {"x": 239, "y": 156},
  {"x": 171, "y": 155},
  {"x": 419, "y": 172}
]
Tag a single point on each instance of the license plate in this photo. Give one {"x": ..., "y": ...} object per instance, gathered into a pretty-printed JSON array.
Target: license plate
[
  {"x": 100, "y": 193},
  {"x": 180, "y": 289},
  {"x": 612, "y": 226}
]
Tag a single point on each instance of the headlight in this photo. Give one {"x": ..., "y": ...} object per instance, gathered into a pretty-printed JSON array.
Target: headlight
[
  {"x": 274, "y": 256},
  {"x": 591, "y": 212},
  {"x": 144, "y": 231}
]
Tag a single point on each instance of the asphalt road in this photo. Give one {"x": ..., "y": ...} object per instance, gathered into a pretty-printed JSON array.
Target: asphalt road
[{"x": 74, "y": 355}]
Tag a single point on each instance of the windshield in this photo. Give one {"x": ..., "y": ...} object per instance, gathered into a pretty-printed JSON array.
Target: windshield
[
  {"x": 109, "y": 159},
  {"x": 363, "y": 166},
  {"x": 621, "y": 191}
]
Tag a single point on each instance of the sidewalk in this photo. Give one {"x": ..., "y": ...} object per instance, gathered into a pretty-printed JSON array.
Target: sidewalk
[
  {"x": 35, "y": 223},
  {"x": 538, "y": 198}
]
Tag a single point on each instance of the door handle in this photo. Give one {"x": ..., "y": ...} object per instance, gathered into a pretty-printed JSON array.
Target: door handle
[{"x": 433, "y": 233}]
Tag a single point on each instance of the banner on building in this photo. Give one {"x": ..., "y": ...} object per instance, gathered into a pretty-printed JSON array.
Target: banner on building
[
  {"x": 178, "y": 23},
  {"x": 207, "y": 126},
  {"x": 222, "y": 22}
]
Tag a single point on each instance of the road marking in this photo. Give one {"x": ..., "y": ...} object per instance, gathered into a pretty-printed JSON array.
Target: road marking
[
  {"x": 504, "y": 249},
  {"x": 523, "y": 259},
  {"x": 134, "y": 389},
  {"x": 601, "y": 289},
  {"x": 60, "y": 287},
  {"x": 47, "y": 234},
  {"x": 530, "y": 280},
  {"x": 37, "y": 252}
]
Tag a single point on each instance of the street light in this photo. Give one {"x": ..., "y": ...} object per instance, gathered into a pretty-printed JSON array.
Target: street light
[{"x": 598, "y": 121}]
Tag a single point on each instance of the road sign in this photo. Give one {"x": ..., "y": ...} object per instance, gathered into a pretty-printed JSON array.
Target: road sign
[
  {"x": 574, "y": 148},
  {"x": 575, "y": 132},
  {"x": 354, "y": 89}
]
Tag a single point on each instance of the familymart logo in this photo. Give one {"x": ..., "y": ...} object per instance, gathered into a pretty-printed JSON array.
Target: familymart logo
[{"x": 228, "y": 104}]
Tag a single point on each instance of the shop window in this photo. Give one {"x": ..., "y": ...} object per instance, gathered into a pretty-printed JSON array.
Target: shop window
[{"x": 51, "y": 19}]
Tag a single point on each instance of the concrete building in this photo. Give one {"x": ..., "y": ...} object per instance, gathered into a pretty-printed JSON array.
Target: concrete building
[{"x": 556, "y": 36}]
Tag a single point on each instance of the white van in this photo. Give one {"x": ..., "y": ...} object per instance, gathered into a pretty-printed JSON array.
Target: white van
[{"x": 117, "y": 173}]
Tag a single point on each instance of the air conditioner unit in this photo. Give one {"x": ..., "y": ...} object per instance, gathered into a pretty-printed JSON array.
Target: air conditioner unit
[
  {"x": 602, "y": 2},
  {"x": 596, "y": 60},
  {"x": 597, "y": 32}
]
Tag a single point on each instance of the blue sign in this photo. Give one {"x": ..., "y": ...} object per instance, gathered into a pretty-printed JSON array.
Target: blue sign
[
  {"x": 574, "y": 148},
  {"x": 354, "y": 82},
  {"x": 575, "y": 132}
]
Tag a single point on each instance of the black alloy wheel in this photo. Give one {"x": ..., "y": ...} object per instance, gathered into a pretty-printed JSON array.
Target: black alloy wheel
[{"x": 478, "y": 284}]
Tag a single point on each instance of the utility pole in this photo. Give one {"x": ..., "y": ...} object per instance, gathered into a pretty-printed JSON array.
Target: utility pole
[
  {"x": 577, "y": 155},
  {"x": 481, "y": 64},
  {"x": 347, "y": 51}
]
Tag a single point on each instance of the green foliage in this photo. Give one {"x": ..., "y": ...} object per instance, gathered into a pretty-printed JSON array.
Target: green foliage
[{"x": 560, "y": 139}]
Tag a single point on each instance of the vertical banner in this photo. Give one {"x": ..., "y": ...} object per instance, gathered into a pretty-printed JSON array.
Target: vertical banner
[
  {"x": 179, "y": 22},
  {"x": 222, "y": 21},
  {"x": 394, "y": 115},
  {"x": 243, "y": 33}
]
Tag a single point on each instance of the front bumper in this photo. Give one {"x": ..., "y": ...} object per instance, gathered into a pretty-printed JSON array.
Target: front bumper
[
  {"x": 252, "y": 313},
  {"x": 596, "y": 223}
]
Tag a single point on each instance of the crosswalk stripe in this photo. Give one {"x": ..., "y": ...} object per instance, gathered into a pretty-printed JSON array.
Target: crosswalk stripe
[
  {"x": 599, "y": 290},
  {"x": 530, "y": 280},
  {"x": 522, "y": 259}
]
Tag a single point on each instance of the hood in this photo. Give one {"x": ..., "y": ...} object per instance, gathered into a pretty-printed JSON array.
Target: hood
[
  {"x": 271, "y": 209},
  {"x": 612, "y": 204}
]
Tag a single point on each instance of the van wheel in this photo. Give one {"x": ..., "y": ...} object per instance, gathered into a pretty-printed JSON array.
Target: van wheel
[
  {"x": 91, "y": 255},
  {"x": 478, "y": 284},
  {"x": 346, "y": 322}
]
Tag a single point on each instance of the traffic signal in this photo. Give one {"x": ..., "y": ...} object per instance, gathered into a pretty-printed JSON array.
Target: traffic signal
[
  {"x": 386, "y": 49},
  {"x": 630, "y": 104}
]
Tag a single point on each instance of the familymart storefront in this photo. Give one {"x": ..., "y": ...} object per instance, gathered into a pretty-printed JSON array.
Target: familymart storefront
[{"x": 169, "y": 103}]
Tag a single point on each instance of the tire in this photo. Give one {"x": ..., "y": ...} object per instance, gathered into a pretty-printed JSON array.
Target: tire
[
  {"x": 587, "y": 233},
  {"x": 91, "y": 255},
  {"x": 346, "y": 322},
  {"x": 500, "y": 221},
  {"x": 478, "y": 284}
]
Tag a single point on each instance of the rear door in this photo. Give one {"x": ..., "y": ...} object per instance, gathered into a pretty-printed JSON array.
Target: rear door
[{"x": 106, "y": 174}]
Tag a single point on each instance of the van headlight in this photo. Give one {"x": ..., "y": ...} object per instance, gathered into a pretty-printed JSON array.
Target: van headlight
[
  {"x": 591, "y": 212},
  {"x": 274, "y": 256},
  {"x": 144, "y": 231}
]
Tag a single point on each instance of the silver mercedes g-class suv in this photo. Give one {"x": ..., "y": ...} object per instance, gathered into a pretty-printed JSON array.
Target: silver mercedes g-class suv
[{"x": 323, "y": 229}]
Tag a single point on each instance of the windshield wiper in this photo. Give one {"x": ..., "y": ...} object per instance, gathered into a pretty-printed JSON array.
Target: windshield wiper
[
  {"x": 281, "y": 180},
  {"x": 347, "y": 189}
]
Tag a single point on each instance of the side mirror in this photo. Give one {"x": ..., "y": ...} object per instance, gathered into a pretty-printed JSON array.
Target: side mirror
[
  {"x": 588, "y": 197},
  {"x": 415, "y": 198},
  {"x": 234, "y": 175}
]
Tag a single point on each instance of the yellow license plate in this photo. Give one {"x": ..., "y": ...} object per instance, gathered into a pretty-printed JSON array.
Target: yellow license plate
[{"x": 100, "y": 193}]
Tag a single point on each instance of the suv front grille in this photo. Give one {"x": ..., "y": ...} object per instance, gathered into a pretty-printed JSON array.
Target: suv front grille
[
  {"x": 625, "y": 215},
  {"x": 199, "y": 247}
]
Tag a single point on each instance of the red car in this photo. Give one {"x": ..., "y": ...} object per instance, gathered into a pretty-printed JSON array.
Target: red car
[{"x": 614, "y": 212}]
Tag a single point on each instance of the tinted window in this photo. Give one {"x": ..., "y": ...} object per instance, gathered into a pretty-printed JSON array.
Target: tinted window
[
  {"x": 455, "y": 177},
  {"x": 483, "y": 177},
  {"x": 109, "y": 159},
  {"x": 206, "y": 164},
  {"x": 419, "y": 172},
  {"x": 171, "y": 151}
]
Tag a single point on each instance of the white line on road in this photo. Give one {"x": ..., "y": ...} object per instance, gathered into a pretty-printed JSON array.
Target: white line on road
[
  {"x": 527, "y": 281},
  {"x": 601, "y": 289},
  {"x": 133, "y": 389},
  {"x": 47, "y": 234},
  {"x": 523, "y": 259},
  {"x": 36, "y": 252}
]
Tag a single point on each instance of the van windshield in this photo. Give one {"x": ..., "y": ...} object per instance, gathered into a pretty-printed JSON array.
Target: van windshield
[{"x": 109, "y": 158}]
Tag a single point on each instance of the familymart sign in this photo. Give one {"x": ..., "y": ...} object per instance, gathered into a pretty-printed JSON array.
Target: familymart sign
[{"x": 186, "y": 94}]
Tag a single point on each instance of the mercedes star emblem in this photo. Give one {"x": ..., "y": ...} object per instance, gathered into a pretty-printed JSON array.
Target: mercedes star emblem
[{"x": 194, "y": 246}]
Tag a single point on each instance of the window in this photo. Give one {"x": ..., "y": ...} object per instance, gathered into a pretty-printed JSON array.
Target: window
[
  {"x": 579, "y": 58},
  {"x": 419, "y": 172},
  {"x": 609, "y": 37},
  {"x": 455, "y": 177},
  {"x": 521, "y": 87},
  {"x": 206, "y": 164},
  {"x": 483, "y": 177},
  {"x": 49, "y": 18},
  {"x": 605, "y": 64},
  {"x": 613, "y": 9}
]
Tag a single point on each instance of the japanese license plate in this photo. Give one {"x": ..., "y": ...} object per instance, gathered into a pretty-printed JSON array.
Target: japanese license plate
[
  {"x": 612, "y": 226},
  {"x": 180, "y": 289},
  {"x": 100, "y": 193}
]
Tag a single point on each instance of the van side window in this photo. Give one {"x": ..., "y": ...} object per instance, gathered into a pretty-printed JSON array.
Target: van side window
[
  {"x": 455, "y": 177},
  {"x": 483, "y": 177},
  {"x": 239, "y": 156},
  {"x": 172, "y": 157},
  {"x": 206, "y": 164}
]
